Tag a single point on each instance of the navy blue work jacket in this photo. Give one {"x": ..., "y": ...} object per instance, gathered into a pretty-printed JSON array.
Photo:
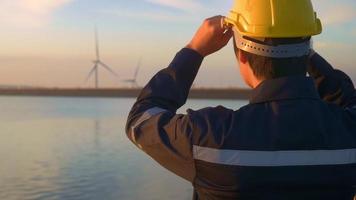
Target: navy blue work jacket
[{"x": 296, "y": 139}]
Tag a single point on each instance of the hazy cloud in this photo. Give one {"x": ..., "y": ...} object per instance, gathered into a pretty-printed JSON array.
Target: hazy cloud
[
  {"x": 186, "y": 5},
  {"x": 191, "y": 8},
  {"x": 151, "y": 16},
  {"x": 28, "y": 13},
  {"x": 333, "y": 12},
  {"x": 339, "y": 16}
]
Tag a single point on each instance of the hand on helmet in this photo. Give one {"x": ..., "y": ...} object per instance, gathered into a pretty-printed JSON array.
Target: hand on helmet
[{"x": 210, "y": 37}]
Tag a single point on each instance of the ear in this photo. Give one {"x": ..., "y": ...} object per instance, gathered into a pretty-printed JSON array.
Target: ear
[{"x": 242, "y": 57}]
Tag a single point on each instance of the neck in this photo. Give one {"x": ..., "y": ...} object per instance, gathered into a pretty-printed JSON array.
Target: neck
[{"x": 255, "y": 82}]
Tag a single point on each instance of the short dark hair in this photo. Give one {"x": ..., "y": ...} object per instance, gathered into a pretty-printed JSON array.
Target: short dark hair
[{"x": 272, "y": 68}]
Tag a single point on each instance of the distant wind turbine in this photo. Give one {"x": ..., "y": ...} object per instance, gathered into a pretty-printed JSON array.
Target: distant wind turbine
[
  {"x": 133, "y": 80},
  {"x": 98, "y": 63}
]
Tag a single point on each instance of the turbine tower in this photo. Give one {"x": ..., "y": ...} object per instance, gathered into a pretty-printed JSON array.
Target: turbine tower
[
  {"x": 133, "y": 80},
  {"x": 98, "y": 63}
]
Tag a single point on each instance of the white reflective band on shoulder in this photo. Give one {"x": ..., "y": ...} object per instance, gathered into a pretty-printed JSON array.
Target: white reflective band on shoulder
[
  {"x": 145, "y": 116},
  {"x": 280, "y": 51},
  {"x": 275, "y": 158}
]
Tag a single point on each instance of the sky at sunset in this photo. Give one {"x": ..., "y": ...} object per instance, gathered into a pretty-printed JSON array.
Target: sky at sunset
[{"x": 51, "y": 42}]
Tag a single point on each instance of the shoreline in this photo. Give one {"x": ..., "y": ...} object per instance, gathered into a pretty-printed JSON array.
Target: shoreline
[{"x": 195, "y": 93}]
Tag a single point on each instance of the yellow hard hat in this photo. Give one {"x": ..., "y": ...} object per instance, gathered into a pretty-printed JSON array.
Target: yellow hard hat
[{"x": 274, "y": 18}]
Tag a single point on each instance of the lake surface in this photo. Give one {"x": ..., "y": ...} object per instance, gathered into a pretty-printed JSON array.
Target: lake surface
[{"x": 76, "y": 148}]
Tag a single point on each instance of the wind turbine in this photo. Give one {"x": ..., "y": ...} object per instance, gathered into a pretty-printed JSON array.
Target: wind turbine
[
  {"x": 133, "y": 80},
  {"x": 98, "y": 63}
]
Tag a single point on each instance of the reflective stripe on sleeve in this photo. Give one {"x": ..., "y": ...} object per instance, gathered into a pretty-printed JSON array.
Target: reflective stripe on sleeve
[
  {"x": 145, "y": 116},
  {"x": 275, "y": 158}
]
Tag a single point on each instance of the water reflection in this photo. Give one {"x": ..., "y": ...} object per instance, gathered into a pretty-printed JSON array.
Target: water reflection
[
  {"x": 96, "y": 132},
  {"x": 73, "y": 148}
]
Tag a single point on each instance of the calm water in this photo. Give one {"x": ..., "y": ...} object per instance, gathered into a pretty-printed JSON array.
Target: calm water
[{"x": 76, "y": 148}]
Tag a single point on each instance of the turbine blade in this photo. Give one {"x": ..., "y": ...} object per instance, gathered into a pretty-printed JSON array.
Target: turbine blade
[
  {"x": 97, "y": 43},
  {"x": 108, "y": 68},
  {"x": 90, "y": 73},
  {"x": 137, "y": 68}
]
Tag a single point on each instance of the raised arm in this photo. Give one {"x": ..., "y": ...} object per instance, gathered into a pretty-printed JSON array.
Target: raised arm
[
  {"x": 334, "y": 86},
  {"x": 153, "y": 124}
]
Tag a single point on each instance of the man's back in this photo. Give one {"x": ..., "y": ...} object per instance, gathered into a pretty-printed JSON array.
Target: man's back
[
  {"x": 285, "y": 145},
  {"x": 293, "y": 141}
]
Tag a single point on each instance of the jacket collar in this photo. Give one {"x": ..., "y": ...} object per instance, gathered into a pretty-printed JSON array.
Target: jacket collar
[{"x": 298, "y": 87}]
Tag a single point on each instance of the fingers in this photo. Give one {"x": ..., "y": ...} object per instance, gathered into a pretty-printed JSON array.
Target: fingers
[
  {"x": 215, "y": 18},
  {"x": 216, "y": 23},
  {"x": 227, "y": 35},
  {"x": 211, "y": 36}
]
